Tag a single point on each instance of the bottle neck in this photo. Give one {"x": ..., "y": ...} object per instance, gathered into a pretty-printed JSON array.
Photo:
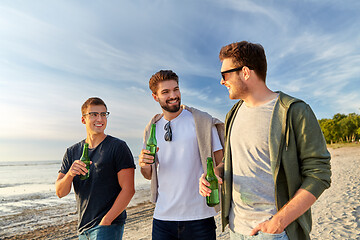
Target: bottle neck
[
  {"x": 153, "y": 130},
  {"x": 85, "y": 150},
  {"x": 210, "y": 167}
]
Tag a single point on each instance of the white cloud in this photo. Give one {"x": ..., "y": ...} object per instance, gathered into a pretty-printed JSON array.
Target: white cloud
[{"x": 55, "y": 56}]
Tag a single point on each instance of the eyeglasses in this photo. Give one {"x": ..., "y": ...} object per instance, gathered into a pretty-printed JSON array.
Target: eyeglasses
[
  {"x": 233, "y": 70},
  {"x": 168, "y": 133},
  {"x": 96, "y": 114}
]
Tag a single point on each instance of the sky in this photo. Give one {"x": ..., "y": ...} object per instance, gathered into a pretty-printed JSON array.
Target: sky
[{"x": 56, "y": 54}]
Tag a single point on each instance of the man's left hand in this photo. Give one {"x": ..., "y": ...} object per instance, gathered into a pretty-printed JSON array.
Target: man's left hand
[
  {"x": 270, "y": 226},
  {"x": 104, "y": 222}
]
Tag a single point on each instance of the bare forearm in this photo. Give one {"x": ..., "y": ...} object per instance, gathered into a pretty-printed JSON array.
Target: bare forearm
[
  {"x": 63, "y": 185},
  {"x": 296, "y": 207},
  {"x": 146, "y": 172},
  {"x": 121, "y": 202},
  {"x": 218, "y": 156},
  {"x": 219, "y": 170},
  {"x": 64, "y": 181},
  {"x": 126, "y": 182}
]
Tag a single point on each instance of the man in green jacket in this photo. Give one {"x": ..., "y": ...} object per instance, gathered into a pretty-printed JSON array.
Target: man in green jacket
[{"x": 276, "y": 163}]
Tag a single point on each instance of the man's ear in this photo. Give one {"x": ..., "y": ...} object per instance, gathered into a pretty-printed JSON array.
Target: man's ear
[
  {"x": 155, "y": 97},
  {"x": 83, "y": 120},
  {"x": 246, "y": 71}
]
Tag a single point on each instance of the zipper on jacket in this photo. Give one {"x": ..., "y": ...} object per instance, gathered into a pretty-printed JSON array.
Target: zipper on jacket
[{"x": 284, "y": 134}]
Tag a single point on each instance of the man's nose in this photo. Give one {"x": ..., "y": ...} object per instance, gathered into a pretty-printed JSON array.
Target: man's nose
[
  {"x": 222, "y": 82},
  {"x": 172, "y": 94}
]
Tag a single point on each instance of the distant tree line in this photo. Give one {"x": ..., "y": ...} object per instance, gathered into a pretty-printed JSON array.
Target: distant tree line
[{"x": 341, "y": 128}]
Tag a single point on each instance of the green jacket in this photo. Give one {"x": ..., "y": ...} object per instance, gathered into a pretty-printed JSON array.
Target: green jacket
[{"x": 298, "y": 155}]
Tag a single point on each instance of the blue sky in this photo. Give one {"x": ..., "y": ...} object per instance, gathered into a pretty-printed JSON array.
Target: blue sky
[{"x": 56, "y": 54}]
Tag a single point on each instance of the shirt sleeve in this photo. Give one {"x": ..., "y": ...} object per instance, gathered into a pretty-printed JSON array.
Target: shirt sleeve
[
  {"x": 125, "y": 158},
  {"x": 216, "y": 144},
  {"x": 66, "y": 163}
]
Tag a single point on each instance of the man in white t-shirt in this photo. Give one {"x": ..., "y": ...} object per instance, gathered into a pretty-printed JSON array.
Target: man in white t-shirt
[{"x": 185, "y": 138}]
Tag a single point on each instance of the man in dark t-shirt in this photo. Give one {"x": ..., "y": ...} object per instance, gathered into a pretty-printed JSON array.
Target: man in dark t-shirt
[{"x": 102, "y": 198}]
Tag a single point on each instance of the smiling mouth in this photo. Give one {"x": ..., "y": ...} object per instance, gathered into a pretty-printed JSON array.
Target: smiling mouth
[{"x": 172, "y": 101}]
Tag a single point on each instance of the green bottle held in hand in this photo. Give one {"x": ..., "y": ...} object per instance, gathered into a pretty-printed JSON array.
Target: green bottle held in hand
[
  {"x": 213, "y": 199},
  {"x": 151, "y": 143},
  {"x": 85, "y": 159}
]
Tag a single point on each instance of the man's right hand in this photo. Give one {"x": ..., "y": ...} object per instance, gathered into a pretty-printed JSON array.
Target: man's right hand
[
  {"x": 78, "y": 168},
  {"x": 203, "y": 185},
  {"x": 145, "y": 160},
  {"x": 64, "y": 181}
]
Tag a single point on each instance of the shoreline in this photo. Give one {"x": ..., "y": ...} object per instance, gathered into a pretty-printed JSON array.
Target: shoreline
[
  {"x": 336, "y": 214},
  {"x": 68, "y": 229},
  {"x": 55, "y": 216},
  {"x": 138, "y": 226}
]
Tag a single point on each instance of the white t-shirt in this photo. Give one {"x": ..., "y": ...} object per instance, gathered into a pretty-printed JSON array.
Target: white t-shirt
[{"x": 179, "y": 171}]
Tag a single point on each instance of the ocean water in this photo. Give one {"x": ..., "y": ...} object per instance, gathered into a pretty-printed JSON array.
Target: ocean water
[{"x": 31, "y": 185}]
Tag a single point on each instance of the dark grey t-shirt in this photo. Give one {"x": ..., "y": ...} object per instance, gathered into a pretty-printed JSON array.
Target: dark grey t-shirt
[{"x": 96, "y": 195}]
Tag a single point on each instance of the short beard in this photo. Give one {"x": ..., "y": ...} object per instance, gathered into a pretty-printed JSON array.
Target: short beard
[
  {"x": 171, "y": 109},
  {"x": 242, "y": 91}
]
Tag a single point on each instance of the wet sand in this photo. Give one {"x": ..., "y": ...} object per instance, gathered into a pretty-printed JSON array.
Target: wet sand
[
  {"x": 336, "y": 214},
  {"x": 138, "y": 226}
]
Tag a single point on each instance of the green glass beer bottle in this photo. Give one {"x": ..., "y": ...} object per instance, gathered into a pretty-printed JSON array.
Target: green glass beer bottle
[
  {"x": 85, "y": 159},
  {"x": 213, "y": 199},
  {"x": 151, "y": 143}
]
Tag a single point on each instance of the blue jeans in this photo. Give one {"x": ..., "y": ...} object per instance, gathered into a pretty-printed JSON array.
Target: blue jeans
[
  {"x": 259, "y": 236},
  {"x": 112, "y": 232},
  {"x": 204, "y": 229}
]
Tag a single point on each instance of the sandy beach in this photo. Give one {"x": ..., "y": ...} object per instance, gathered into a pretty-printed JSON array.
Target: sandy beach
[{"x": 336, "y": 214}]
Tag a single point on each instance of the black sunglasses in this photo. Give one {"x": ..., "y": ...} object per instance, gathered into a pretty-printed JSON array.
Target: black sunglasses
[
  {"x": 233, "y": 70},
  {"x": 168, "y": 133}
]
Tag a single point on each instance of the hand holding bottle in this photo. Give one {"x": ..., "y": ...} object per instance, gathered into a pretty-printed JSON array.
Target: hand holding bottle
[
  {"x": 212, "y": 196},
  {"x": 204, "y": 185},
  {"x": 145, "y": 159},
  {"x": 78, "y": 168},
  {"x": 151, "y": 143}
]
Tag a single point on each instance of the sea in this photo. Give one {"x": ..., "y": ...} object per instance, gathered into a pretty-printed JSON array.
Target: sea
[{"x": 30, "y": 186}]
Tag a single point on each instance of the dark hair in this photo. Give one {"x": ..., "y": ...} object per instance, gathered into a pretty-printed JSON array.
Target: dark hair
[
  {"x": 160, "y": 76},
  {"x": 92, "y": 101},
  {"x": 246, "y": 54}
]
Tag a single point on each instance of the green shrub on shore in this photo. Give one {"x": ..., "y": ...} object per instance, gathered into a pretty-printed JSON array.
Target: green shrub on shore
[{"x": 341, "y": 128}]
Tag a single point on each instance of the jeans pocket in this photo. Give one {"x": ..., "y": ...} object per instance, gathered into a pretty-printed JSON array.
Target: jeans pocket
[{"x": 107, "y": 232}]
